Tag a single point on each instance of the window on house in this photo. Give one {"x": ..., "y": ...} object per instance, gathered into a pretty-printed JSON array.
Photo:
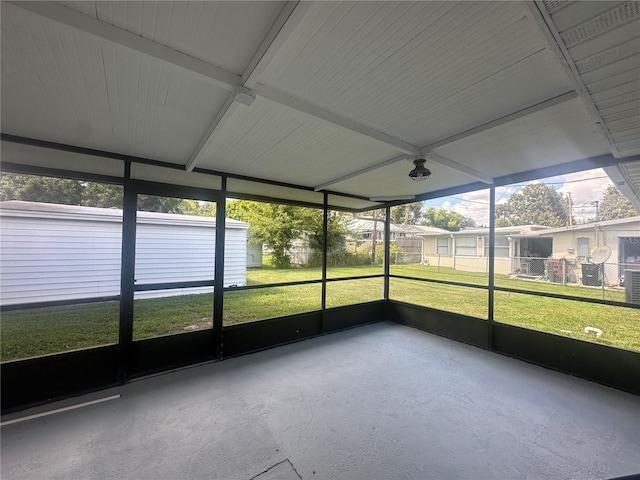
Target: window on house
[
  {"x": 442, "y": 246},
  {"x": 466, "y": 246},
  {"x": 583, "y": 246},
  {"x": 501, "y": 246}
]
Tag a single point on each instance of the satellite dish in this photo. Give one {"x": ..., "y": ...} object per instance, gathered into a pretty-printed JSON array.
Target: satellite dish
[{"x": 601, "y": 254}]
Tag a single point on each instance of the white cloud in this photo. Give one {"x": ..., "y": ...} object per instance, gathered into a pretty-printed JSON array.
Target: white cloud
[{"x": 584, "y": 187}]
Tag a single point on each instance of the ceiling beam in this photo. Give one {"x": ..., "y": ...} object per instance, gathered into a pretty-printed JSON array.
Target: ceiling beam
[
  {"x": 543, "y": 21},
  {"x": 565, "y": 97},
  {"x": 356, "y": 173},
  {"x": 275, "y": 38},
  {"x": 333, "y": 118},
  {"x": 228, "y": 108},
  {"x": 74, "y": 19},
  {"x": 292, "y": 13},
  {"x": 461, "y": 168}
]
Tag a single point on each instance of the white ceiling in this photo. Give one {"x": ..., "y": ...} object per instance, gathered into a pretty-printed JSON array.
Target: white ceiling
[{"x": 346, "y": 93}]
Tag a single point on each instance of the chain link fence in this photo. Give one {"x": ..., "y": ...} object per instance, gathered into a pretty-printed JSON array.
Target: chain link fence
[{"x": 570, "y": 271}]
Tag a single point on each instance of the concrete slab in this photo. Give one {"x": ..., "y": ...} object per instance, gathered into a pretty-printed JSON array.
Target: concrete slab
[{"x": 377, "y": 402}]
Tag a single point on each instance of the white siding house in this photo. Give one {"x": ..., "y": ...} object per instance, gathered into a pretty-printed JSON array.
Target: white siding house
[{"x": 58, "y": 252}]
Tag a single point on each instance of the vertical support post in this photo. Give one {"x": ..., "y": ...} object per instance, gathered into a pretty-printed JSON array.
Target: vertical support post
[
  {"x": 564, "y": 271},
  {"x": 218, "y": 282},
  {"x": 387, "y": 252},
  {"x": 492, "y": 269},
  {"x": 325, "y": 251},
  {"x": 127, "y": 275},
  {"x": 374, "y": 237},
  {"x": 453, "y": 246}
]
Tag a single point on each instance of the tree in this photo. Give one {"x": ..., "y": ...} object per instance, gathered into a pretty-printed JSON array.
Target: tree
[
  {"x": 441, "y": 218},
  {"x": 615, "y": 205},
  {"x": 67, "y": 191},
  {"x": 535, "y": 204},
  {"x": 42, "y": 189},
  {"x": 407, "y": 214},
  {"x": 336, "y": 230},
  {"x": 275, "y": 224}
]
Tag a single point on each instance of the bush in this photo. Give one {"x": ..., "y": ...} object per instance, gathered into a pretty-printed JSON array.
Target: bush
[
  {"x": 395, "y": 252},
  {"x": 341, "y": 258}
]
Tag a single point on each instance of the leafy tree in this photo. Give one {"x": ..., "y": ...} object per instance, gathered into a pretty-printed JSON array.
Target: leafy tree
[
  {"x": 615, "y": 205},
  {"x": 275, "y": 224},
  {"x": 336, "y": 230},
  {"x": 535, "y": 204},
  {"x": 407, "y": 214},
  {"x": 468, "y": 222},
  {"x": 101, "y": 195},
  {"x": 441, "y": 218},
  {"x": 42, "y": 189},
  {"x": 66, "y": 191}
]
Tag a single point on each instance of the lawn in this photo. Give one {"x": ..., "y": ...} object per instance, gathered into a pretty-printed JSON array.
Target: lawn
[{"x": 41, "y": 331}]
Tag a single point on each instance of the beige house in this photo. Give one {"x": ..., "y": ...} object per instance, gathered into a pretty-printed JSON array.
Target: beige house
[
  {"x": 577, "y": 243},
  {"x": 468, "y": 250},
  {"x": 536, "y": 251}
]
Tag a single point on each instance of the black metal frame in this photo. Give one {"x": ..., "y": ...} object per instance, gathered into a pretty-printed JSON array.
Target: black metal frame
[{"x": 40, "y": 379}]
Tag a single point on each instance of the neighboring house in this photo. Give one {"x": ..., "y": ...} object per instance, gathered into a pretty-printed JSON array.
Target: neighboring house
[
  {"x": 363, "y": 228},
  {"x": 577, "y": 243},
  {"x": 535, "y": 250},
  {"x": 468, "y": 250},
  {"x": 52, "y": 253}
]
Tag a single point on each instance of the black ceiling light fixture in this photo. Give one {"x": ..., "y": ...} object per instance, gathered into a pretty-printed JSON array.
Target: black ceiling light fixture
[{"x": 420, "y": 172}]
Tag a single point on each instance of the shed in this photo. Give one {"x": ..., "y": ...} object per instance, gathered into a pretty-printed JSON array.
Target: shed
[{"x": 53, "y": 253}]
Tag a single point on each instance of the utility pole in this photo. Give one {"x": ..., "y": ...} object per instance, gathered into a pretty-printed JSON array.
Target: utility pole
[{"x": 570, "y": 209}]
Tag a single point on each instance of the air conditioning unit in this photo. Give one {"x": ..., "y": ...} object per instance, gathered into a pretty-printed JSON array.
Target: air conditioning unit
[{"x": 632, "y": 286}]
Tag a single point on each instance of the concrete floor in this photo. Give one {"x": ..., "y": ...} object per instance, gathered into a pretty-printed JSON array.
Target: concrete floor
[{"x": 377, "y": 402}]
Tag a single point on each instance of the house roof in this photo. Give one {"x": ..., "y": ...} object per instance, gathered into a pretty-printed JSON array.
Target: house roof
[
  {"x": 331, "y": 96},
  {"x": 515, "y": 230},
  {"x": 589, "y": 226},
  {"x": 423, "y": 230},
  {"x": 363, "y": 224}
]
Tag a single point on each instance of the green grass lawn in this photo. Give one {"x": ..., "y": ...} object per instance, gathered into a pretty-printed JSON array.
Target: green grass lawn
[{"x": 41, "y": 331}]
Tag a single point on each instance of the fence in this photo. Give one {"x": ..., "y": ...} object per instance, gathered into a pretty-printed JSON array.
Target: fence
[
  {"x": 570, "y": 270},
  {"x": 410, "y": 250}
]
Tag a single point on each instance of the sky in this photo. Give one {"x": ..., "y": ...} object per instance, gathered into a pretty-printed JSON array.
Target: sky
[{"x": 584, "y": 187}]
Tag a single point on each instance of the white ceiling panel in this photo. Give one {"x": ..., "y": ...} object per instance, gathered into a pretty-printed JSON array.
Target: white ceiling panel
[
  {"x": 273, "y": 142},
  {"x": 560, "y": 134},
  {"x": 201, "y": 29},
  {"x": 602, "y": 40},
  {"x": 65, "y": 86},
  {"x": 432, "y": 60}
]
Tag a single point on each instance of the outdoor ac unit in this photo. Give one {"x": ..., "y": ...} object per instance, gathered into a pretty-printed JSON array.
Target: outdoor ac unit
[{"x": 632, "y": 286}]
